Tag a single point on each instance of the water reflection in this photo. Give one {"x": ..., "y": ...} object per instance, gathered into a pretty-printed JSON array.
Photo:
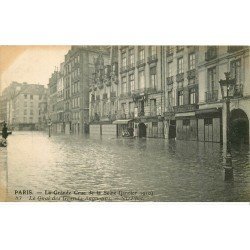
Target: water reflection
[{"x": 174, "y": 170}]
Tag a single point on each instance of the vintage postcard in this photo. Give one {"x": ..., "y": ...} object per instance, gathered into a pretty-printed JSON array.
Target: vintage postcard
[{"x": 124, "y": 123}]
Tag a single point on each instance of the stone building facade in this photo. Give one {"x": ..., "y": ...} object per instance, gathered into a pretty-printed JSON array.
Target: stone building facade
[
  {"x": 195, "y": 109},
  {"x": 214, "y": 62},
  {"x": 78, "y": 68},
  {"x": 23, "y": 102}
]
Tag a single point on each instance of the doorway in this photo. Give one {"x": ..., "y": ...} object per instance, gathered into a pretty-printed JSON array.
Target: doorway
[
  {"x": 142, "y": 130},
  {"x": 239, "y": 127}
]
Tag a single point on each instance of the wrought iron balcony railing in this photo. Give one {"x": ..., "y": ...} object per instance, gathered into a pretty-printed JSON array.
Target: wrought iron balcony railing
[
  {"x": 179, "y": 48},
  {"x": 131, "y": 66},
  {"x": 170, "y": 51},
  {"x": 179, "y": 77},
  {"x": 152, "y": 58},
  {"x": 170, "y": 80},
  {"x": 123, "y": 69},
  {"x": 141, "y": 63},
  {"x": 151, "y": 90},
  {"x": 191, "y": 74}
]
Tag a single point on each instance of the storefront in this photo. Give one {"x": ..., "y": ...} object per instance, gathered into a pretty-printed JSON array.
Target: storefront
[
  {"x": 209, "y": 124},
  {"x": 186, "y": 126},
  {"x": 124, "y": 127}
]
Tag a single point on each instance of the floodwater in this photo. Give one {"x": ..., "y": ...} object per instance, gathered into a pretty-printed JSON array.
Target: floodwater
[{"x": 85, "y": 168}]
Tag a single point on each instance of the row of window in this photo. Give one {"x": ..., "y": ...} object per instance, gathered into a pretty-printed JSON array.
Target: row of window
[
  {"x": 131, "y": 55},
  {"x": 180, "y": 65},
  {"x": 192, "y": 97},
  {"x": 31, "y": 112},
  {"x": 76, "y": 115},
  {"x": 26, "y": 104},
  {"x": 26, "y": 96},
  {"x": 235, "y": 72},
  {"x": 26, "y": 120},
  {"x": 141, "y": 75},
  {"x": 71, "y": 64}
]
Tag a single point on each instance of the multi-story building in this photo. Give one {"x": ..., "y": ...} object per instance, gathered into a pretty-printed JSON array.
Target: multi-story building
[
  {"x": 175, "y": 93},
  {"x": 141, "y": 95},
  {"x": 214, "y": 61},
  {"x": 60, "y": 125},
  {"x": 194, "y": 106},
  {"x": 181, "y": 92},
  {"x": 78, "y": 68},
  {"x": 3, "y": 108},
  {"x": 128, "y": 92},
  {"x": 22, "y": 105},
  {"x": 103, "y": 91},
  {"x": 52, "y": 100}
]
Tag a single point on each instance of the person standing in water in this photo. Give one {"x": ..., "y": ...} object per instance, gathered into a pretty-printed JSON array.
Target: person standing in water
[{"x": 5, "y": 131}]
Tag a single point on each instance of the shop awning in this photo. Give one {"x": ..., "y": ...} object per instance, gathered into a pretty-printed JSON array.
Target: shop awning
[
  {"x": 207, "y": 111},
  {"x": 122, "y": 121}
]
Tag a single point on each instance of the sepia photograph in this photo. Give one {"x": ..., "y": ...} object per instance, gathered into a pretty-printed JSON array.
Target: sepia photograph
[
  {"x": 165, "y": 123},
  {"x": 124, "y": 125}
]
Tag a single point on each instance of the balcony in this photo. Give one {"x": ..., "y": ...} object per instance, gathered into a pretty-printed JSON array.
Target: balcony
[
  {"x": 123, "y": 69},
  {"x": 151, "y": 90},
  {"x": 131, "y": 66},
  {"x": 179, "y": 48},
  {"x": 105, "y": 96},
  {"x": 211, "y": 96},
  {"x": 170, "y": 80},
  {"x": 112, "y": 95},
  {"x": 211, "y": 53},
  {"x": 185, "y": 108},
  {"x": 170, "y": 51},
  {"x": 238, "y": 90},
  {"x": 191, "y": 49},
  {"x": 141, "y": 63},
  {"x": 180, "y": 77},
  {"x": 232, "y": 49},
  {"x": 152, "y": 59},
  {"x": 191, "y": 74}
]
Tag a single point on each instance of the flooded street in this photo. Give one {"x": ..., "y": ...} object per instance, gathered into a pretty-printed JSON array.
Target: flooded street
[{"x": 157, "y": 169}]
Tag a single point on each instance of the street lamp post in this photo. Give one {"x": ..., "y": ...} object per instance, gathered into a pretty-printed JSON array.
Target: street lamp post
[{"x": 227, "y": 92}]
